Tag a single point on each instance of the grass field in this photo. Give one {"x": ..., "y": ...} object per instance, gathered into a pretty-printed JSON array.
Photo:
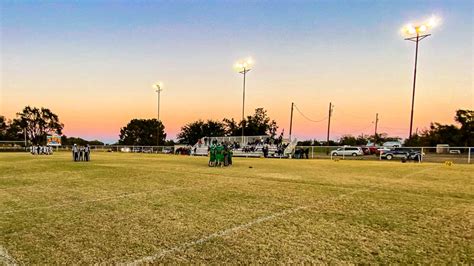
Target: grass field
[{"x": 140, "y": 208}]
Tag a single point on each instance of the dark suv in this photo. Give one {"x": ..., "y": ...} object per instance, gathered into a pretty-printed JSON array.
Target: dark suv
[{"x": 401, "y": 153}]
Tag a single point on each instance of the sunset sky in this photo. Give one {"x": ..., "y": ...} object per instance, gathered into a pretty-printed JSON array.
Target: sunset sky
[{"x": 94, "y": 62}]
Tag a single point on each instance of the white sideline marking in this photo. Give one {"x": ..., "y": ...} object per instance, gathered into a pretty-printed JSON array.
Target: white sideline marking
[
  {"x": 232, "y": 230},
  {"x": 6, "y": 258},
  {"x": 92, "y": 200}
]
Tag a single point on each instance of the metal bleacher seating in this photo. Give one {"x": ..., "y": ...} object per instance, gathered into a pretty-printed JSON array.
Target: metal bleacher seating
[{"x": 253, "y": 146}]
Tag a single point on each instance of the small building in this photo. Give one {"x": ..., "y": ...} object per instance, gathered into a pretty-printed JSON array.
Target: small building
[{"x": 442, "y": 148}]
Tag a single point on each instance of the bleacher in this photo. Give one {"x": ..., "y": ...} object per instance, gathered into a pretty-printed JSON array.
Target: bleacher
[{"x": 247, "y": 146}]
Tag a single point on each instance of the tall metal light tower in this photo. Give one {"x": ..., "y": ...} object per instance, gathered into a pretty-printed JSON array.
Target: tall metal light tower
[
  {"x": 242, "y": 67},
  {"x": 159, "y": 87},
  {"x": 418, "y": 31}
]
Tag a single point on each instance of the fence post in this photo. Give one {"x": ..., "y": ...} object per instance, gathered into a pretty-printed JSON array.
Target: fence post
[
  {"x": 422, "y": 154},
  {"x": 469, "y": 155},
  {"x": 312, "y": 152}
]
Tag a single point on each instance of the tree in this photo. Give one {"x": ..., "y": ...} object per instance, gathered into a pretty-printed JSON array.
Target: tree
[
  {"x": 3, "y": 127},
  {"x": 37, "y": 122},
  {"x": 255, "y": 125},
  {"x": 192, "y": 132},
  {"x": 79, "y": 141},
  {"x": 447, "y": 134},
  {"x": 383, "y": 137},
  {"x": 169, "y": 142},
  {"x": 260, "y": 124},
  {"x": 353, "y": 141},
  {"x": 231, "y": 127},
  {"x": 466, "y": 119},
  {"x": 142, "y": 132},
  {"x": 14, "y": 131},
  {"x": 309, "y": 142}
]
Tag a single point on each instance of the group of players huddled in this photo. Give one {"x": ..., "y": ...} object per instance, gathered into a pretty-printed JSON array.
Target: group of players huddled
[
  {"x": 81, "y": 153},
  {"x": 220, "y": 154},
  {"x": 41, "y": 150}
]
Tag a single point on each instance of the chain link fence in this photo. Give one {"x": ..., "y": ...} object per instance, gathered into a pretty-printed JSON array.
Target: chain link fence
[
  {"x": 102, "y": 148},
  {"x": 424, "y": 154},
  {"x": 440, "y": 154}
]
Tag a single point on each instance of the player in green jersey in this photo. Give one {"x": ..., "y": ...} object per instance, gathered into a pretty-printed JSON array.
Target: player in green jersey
[
  {"x": 212, "y": 155},
  {"x": 220, "y": 154}
]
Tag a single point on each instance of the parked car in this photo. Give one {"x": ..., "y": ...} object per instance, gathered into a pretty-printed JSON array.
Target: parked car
[
  {"x": 392, "y": 144},
  {"x": 368, "y": 150},
  {"x": 379, "y": 151},
  {"x": 137, "y": 149},
  {"x": 348, "y": 151},
  {"x": 168, "y": 150},
  {"x": 400, "y": 153},
  {"x": 147, "y": 150},
  {"x": 125, "y": 149}
]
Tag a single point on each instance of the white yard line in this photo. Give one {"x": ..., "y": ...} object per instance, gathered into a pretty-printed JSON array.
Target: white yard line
[
  {"x": 8, "y": 260},
  {"x": 183, "y": 246},
  {"x": 225, "y": 232},
  {"x": 5, "y": 258}
]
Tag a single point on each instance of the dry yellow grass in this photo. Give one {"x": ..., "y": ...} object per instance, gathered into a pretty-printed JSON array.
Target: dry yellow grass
[{"x": 125, "y": 208}]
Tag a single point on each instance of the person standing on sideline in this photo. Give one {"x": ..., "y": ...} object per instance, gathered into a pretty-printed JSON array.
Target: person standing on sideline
[
  {"x": 74, "y": 152},
  {"x": 87, "y": 152}
]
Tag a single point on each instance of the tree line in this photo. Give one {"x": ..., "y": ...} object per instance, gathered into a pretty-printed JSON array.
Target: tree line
[
  {"x": 254, "y": 125},
  {"x": 460, "y": 135},
  {"x": 31, "y": 123},
  {"x": 35, "y": 124},
  {"x": 351, "y": 140}
]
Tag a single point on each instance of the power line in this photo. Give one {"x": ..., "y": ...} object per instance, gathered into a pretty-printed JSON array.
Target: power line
[
  {"x": 352, "y": 115},
  {"x": 394, "y": 128},
  {"x": 355, "y": 130},
  {"x": 307, "y": 118}
]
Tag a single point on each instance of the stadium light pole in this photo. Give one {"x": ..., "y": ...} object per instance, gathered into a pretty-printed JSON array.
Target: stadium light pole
[
  {"x": 159, "y": 87},
  {"x": 418, "y": 31},
  {"x": 242, "y": 67}
]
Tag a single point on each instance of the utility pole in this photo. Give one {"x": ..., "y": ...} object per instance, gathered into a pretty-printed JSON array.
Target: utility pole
[
  {"x": 291, "y": 118},
  {"x": 329, "y": 122},
  {"x": 376, "y": 124}
]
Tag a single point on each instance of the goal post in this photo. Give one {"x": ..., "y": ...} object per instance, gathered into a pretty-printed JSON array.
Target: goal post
[{"x": 13, "y": 145}]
